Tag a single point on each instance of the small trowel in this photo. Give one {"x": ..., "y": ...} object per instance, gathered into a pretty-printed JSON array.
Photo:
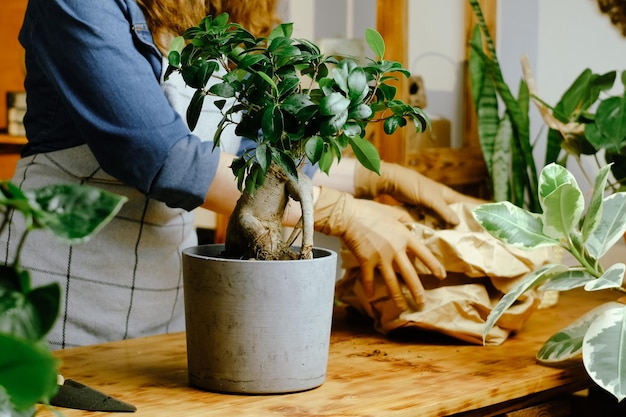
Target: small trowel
[{"x": 73, "y": 394}]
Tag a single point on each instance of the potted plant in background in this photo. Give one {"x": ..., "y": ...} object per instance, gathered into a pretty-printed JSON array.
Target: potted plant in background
[
  {"x": 598, "y": 337},
  {"x": 73, "y": 213},
  {"x": 504, "y": 136},
  {"x": 298, "y": 106},
  {"x": 587, "y": 120}
]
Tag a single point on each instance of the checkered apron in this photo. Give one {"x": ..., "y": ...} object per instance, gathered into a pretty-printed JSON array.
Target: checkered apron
[{"x": 126, "y": 281}]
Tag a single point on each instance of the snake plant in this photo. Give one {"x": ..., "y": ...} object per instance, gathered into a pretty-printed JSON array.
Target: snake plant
[{"x": 504, "y": 135}]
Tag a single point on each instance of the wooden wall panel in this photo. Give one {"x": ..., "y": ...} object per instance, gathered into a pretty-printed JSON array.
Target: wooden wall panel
[
  {"x": 11, "y": 65},
  {"x": 392, "y": 23}
]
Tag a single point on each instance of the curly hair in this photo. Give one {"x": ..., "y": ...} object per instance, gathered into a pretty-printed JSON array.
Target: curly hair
[
  {"x": 170, "y": 18},
  {"x": 616, "y": 10}
]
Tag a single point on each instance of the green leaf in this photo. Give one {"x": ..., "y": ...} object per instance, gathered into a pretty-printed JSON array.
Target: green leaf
[
  {"x": 28, "y": 372},
  {"x": 287, "y": 86},
  {"x": 313, "y": 148},
  {"x": 296, "y": 102},
  {"x": 334, "y": 104},
  {"x": 531, "y": 280},
  {"x": 611, "y": 227},
  {"x": 327, "y": 159},
  {"x": 513, "y": 225},
  {"x": 357, "y": 85},
  {"x": 552, "y": 177},
  {"x": 351, "y": 130},
  {"x": 75, "y": 212},
  {"x": 340, "y": 76},
  {"x": 392, "y": 123},
  {"x": 375, "y": 42},
  {"x": 272, "y": 122},
  {"x": 198, "y": 73},
  {"x": 596, "y": 204},
  {"x": 604, "y": 347},
  {"x": 286, "y": 163},
  {"x": 567, "y": 345},
  {"x": 331, "y": 126},
  {"x": 611, "y": 122},
  {"x": 177, "y": 45},
  {"x": 568, "y": 280},
  {"x": 194, "y": 109},
  {"x": 268, "y": 80},
  {"x": 18, "y": 317},
  {"x": 388, "y": 92},
  {"x": 366, "y": 153},
  {"x": 562, "y": 210},
  {"x": 360, "y": 112},
  {"x": 263, "y": 156},
  {"x": 225, "y": 90},
  {"x": 45, "y": 302},
  {"x": 612, "y": 278},
  {"x": 476, "y": 65},
  {"x": 31, "y": 314},
  {"x": 221, "y": 20},
  {"x": 488, "y": 122},
  {"x": 250, "y": 60},
  {"x": 501, "y": 160},
  {"x": 561, "y": 199},
  {"x": 282, "y": 30}
]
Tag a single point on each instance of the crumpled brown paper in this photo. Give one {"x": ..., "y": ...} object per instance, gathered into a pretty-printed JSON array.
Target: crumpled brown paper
[{"x": 480, "y": 270}]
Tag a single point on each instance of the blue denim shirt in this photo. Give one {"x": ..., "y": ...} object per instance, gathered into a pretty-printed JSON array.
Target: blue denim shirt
[{"x": 93, "y": 75}]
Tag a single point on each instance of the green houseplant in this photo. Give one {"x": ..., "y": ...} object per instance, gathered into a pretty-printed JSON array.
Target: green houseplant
[
  {"x": 298, "y": 106},
  {"x": 73, "y": 213},
  {"x": 504, "y": 135},
  {"x": 588, "y": 234},
  {"x": 587, "y": 120}
]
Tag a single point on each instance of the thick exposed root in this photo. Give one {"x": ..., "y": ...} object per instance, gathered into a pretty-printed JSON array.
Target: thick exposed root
[{"x": 255, "y": 228}]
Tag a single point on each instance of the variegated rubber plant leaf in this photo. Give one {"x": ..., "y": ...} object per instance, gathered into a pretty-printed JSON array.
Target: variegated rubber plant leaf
[
  {"x": 567, "y": 345},
  {"x": 604, "y": 349},
  {"x": 532, "y": 280},
  {"x": 513, "y": 225},
  {"x": 600, "y": 334},
  {"x": 611, "y": 226}
]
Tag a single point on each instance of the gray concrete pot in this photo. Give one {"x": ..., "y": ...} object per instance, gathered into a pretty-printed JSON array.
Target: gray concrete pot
[{"x": 257, "y": 327}]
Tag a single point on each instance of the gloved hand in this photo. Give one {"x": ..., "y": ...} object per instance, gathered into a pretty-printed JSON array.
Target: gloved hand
[
  {"x": 409, "y": 187},
  {"x": 377, "y": 236}
]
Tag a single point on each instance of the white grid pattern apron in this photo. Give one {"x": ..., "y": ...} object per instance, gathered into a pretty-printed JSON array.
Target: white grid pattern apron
[{"x": 126, "y": 281}]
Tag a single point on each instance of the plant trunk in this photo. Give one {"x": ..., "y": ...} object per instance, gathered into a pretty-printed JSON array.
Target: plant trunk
[{"x": 255, "y": 229}]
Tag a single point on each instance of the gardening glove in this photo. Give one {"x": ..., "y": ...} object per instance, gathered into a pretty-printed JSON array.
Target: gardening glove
[
  {"x": 377, "y": 236},
  {"x": 409, "y": 187}
]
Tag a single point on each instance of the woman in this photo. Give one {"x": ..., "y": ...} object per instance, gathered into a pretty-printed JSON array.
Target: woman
[{"x": 98, "y": 115}]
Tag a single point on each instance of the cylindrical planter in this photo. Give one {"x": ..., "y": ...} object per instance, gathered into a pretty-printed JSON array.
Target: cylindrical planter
[{"x": 257, "y": 327}]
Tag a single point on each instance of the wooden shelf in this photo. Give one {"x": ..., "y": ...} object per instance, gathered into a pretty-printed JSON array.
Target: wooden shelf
[{"x": 11, "y": 140}]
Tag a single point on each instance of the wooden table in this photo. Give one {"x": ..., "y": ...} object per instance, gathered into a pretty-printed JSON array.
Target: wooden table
[{"x": 368, "y": 374}]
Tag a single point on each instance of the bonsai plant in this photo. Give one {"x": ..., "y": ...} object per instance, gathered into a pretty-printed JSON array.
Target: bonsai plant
[
  {"x": 598, "y": 337},
  {"x": 73, "y": 213},
  {"x": 296, "y": 108}
]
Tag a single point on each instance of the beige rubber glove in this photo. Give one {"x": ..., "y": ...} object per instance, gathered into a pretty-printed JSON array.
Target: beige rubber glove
[
  {"x": 377, "y": 236},
  {"x": 409, "y": 187}
]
